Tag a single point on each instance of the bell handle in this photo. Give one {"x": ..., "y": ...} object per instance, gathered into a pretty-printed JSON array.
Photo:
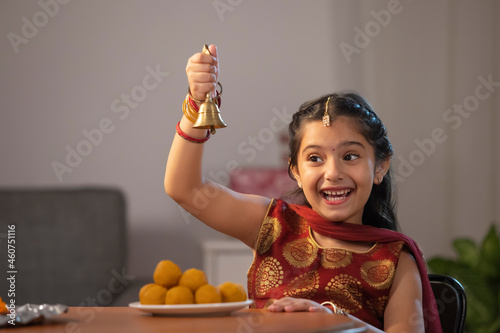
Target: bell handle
[{"x": 206, "y": 50}]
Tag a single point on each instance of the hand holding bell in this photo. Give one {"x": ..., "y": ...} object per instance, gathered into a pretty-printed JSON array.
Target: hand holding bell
[{"x": 209, "y": 114}]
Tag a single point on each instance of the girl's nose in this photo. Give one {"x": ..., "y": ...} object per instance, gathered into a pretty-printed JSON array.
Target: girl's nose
[{"x": 333, "y": 170}]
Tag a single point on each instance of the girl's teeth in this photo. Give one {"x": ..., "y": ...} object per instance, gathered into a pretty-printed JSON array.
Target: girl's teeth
[
  {"x": 341, "y": 192},
  {"x": 336, "y": 195}
]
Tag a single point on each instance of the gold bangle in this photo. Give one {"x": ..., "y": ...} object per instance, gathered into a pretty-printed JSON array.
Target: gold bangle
[
  {"x": 336, "y": 309},
  {"x": 191, "y": 117}
]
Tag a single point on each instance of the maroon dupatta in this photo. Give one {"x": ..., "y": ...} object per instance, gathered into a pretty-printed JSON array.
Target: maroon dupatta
[{"x": 366, "y": 233}]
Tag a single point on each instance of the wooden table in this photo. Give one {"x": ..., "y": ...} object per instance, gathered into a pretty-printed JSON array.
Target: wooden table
[{"x": 124, "y": 319}]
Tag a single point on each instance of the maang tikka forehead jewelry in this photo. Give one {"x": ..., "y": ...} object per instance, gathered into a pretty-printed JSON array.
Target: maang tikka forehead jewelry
[{"x": 326, "y": 116}]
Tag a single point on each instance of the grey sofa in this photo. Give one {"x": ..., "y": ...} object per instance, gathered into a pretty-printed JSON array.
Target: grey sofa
[{"x": 70, "y": 245}]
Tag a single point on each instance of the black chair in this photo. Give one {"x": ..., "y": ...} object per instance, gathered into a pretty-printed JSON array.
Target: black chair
[{"x": 451, "y": 302}]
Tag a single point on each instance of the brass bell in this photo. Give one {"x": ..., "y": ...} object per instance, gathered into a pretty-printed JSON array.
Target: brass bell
[{"x": 209, "y": 114}]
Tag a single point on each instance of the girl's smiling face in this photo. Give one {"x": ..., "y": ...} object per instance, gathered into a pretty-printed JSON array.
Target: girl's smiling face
[{"x": 336, "y": 169}]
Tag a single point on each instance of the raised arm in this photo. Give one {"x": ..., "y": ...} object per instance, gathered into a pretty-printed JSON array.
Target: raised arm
[{"x": 235, "y": 214}]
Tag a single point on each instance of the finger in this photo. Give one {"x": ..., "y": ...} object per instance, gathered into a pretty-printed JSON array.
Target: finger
[
  {"x": 201, "y": 67},
  {"x": 282, "y": 301},
  {"x": 275, "y": 308},
  {"x": 278, "y": 305},
  {"x": 201, "y": 77},
  {"x": 203, "y": 58},
  {"x": 317, "y": 308},
  {"x": 293, "y": 304},
  {"x": 199, "y": 90},
  {"x": 297, "y": 306},
  {"x": 193, "y": 68},
  {"x": 213, "y": 50}
]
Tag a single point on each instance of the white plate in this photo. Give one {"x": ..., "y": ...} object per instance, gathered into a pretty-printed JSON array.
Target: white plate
[{"x": 210, "y": 309}]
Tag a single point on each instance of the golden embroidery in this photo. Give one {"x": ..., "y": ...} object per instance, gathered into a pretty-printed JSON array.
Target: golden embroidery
[
  {"x": 300, "y": 268},
  {"x": 395, "y": 247},
  {"x": 297, "y": 224},
  {"x": 250, "y": 272},
  {"x": 300, "y": 253},
  {"x": 303, "y": 286},
  {"x": 377, "y": 305},
  {"x": 379, "y": 273},
  {"x": 335, "y": 258},
  {"x": 345, "y": 291},
  {"x": 269, "y": 232},
  {"x": 269, "y": 276}
]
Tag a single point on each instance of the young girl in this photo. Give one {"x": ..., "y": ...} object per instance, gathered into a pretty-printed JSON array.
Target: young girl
[{"x": 337, "y": 252}]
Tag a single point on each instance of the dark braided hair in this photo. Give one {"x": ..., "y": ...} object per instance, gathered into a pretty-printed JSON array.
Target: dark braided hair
[{"x": 379, "y": 210}]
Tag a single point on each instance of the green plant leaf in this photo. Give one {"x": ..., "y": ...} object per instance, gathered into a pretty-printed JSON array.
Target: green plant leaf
[
  {"x": 440, "y": 265},
  {"x": 482, "y": 299},
  {"x": 467, "y": 251},
  {"x": 494, "y": 326},
  {"x": 491, "y": 327},
  {"x": 489, "y": 258},
  {"x": 477, "y": 268}
]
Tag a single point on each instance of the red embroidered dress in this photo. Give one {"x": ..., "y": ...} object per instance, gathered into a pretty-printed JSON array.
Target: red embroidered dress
[{"x": 289, "y": 262}]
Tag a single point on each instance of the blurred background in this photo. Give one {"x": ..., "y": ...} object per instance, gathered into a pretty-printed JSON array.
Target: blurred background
[{"x": 91, "y": 92}]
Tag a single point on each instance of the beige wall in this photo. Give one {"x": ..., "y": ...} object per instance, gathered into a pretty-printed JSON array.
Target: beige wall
[
  {"x": 72, "y": 73},
  {"x": 418, "y": 71}
]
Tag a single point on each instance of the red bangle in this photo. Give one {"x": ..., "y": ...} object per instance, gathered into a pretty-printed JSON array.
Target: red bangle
[
  {"x": 193, "y": 104},
  {"x": 190, "y": 138}
]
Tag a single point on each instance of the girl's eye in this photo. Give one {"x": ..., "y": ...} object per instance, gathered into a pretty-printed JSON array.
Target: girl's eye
[
  {"x": 314, "y": 158},
  {"x": 351, "y": 157}
]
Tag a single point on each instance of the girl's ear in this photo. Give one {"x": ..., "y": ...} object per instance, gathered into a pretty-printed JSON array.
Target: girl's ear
[
  {"x": 295, "y": 173},
  {"x": 380, "y": 170}
]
